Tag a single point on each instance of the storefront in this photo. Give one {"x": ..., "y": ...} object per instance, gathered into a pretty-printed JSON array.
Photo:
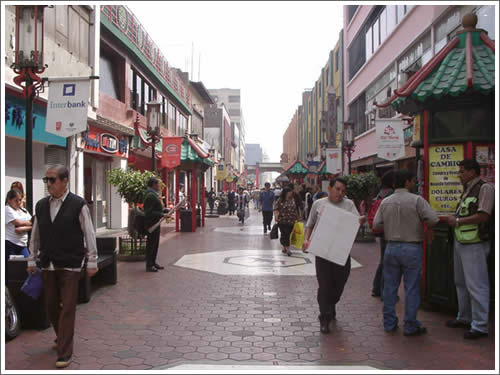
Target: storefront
[
  {"x": 103, "y": 151},
  {"x": 454, "y": 96}
]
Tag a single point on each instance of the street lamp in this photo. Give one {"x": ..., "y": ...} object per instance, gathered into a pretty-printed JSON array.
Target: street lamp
[
  {"x": 153, "y": 122},
  {"x": 27, "y": 65},
  {"x": 348, "y": 144}
]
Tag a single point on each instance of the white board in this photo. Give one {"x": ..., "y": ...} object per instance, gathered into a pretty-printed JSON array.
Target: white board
[{"x": 334, "y": 234}]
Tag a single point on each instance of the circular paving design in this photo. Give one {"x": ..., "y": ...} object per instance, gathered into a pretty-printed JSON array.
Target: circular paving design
[{"x": 253, "y": 262}]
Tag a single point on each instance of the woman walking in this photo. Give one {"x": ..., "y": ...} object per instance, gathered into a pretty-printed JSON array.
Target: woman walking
[{"x": 285, "y": 214}]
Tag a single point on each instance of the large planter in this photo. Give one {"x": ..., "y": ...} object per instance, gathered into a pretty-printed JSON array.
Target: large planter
[{"x": 132, "y": 249}]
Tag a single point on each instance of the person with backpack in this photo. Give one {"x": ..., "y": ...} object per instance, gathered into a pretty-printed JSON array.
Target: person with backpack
[{"x": 386, "y": 189}]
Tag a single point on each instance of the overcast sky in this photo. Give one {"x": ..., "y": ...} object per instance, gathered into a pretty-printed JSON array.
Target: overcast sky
[{"x": 272, "y": 51}]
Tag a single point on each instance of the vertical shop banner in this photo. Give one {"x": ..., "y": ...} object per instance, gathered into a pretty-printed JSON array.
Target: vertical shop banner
[
  {"x": 445, "y": 187},
  {"x": 390, "y": 139},
  {"x": 333, "y": 160},
  {"x": 171, "y": 152},
  {"x": 67, "y": 107},
  {"x": 221, "y": 172}
]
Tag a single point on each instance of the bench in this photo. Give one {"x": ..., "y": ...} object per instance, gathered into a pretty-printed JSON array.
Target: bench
[{"x": 32, "y": 313}]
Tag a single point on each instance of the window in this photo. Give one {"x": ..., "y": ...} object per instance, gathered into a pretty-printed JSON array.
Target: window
[
  {"x": 164, "y": 104},
  {"x": 234, "y": 98},
  {"x": 357, "y": 114},
  {"x": 139, "y": 94},
  {"x": 357, "y": 54},
  {"x": 234, "y": 112},
  {"x": 108, "y": 81},
  {"x": 486, "y": 20},
  {"x": 376, "y": 35},
  {"x": 351, "y": 9},
  {"x": 142, "y": 93},
  {"x": 181, "y": 124},
  {"x": 369, "y": 43},
  {"x": 171, "y": 115},
  {"x": 391, "y": 18},
  {"x": 401, "y": 11},
  {"x": 337, "y": 58},
  {"x": 383, "y": 26}
]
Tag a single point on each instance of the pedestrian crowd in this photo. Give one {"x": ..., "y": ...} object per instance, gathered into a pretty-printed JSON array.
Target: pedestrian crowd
[{"x": 62, "y": 243}]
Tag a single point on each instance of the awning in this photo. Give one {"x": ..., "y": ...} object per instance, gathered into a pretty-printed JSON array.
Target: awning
[
  {"x": 190, "y": 152},
  {"x": 297, "y": 167},
  {"x": 140, "y": 140}
]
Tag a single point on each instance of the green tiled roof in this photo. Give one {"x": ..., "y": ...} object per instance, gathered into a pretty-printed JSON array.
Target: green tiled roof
[
  {"x": 297, "y": 168},
  {"x": 189, "y": 154},
  {"x": 449, "y": 78}
]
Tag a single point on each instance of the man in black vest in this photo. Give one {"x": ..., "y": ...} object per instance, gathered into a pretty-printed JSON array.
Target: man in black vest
[
  {"x": 471, "y": 249},
  {"x": 153, "y": 212},
  {"x": 63, "y": 240}
]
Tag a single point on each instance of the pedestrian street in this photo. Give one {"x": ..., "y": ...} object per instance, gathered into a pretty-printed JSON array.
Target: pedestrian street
[{"x": 228, "y": 299}]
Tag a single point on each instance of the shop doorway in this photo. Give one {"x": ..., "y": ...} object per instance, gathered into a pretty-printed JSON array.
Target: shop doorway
[{"x": 96, "y": 189}]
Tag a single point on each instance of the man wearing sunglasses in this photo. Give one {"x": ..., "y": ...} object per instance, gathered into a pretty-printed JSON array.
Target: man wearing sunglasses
[{"x": 63, "y": 240}]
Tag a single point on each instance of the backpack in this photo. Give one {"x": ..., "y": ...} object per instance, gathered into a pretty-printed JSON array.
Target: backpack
[{"x": 373, "y": 211}]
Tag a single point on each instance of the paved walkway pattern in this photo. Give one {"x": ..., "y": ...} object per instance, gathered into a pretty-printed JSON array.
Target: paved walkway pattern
[{"x": 189, "y": 317}]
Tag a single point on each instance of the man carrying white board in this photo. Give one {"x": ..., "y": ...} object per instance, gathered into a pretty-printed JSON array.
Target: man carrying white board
[{"x": 331, "y": 276}]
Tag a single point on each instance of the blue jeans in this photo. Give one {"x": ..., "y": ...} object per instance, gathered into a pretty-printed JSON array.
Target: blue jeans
[
  {"x": 402, "y": 259},
  {"x": 472, "y": 282}
]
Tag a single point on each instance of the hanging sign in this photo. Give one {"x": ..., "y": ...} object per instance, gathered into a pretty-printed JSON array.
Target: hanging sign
[
  {"x": 333, "y": 160},
  {"x": 221, "y": 172},
  {"x": 171, "y": 152},
  {"x": 445, "y": 187},
  {"x": 390, "y": 139},
  {"x": 67, "y": 107},
  {"x": 97, "y": 140}
]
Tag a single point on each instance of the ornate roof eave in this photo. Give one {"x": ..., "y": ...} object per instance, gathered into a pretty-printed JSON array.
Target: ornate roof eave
[
  {"x": 295, "y": 162},
  {"x": 416, "y": 95}
]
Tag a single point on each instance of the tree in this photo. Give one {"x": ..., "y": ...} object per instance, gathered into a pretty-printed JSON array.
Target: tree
[{"x": 131, "y": 185}]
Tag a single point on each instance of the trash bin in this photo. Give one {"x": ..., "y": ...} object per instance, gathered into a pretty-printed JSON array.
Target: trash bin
[{"x": 186, "y": 220}]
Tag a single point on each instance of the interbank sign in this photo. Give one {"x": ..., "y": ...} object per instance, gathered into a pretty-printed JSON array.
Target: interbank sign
[{"x": 67, "y": 107}]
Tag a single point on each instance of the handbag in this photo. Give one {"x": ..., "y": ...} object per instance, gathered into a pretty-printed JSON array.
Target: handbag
[
  {"x": 274, "y": 232},
  {"x": 33, "y": 284}
]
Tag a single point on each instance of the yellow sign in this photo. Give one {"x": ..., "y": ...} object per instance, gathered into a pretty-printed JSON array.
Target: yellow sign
[
  {"x": 221, "y": 172},
  {"x": 445, "y": 187},
  {"x": 416, "y": 128}
]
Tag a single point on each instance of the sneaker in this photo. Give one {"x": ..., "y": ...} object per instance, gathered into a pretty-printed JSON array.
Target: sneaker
[
  {"x": 418, "y": 332},
  {"x": 454, "y": 323},
  {"x": 63, "y": 362},
  {"x": 473, "y": 334}
]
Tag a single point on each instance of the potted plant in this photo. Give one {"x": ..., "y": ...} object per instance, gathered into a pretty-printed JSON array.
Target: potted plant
[
  {"x": 131, "y": 185},
  {"x": 362, "y": 188}
]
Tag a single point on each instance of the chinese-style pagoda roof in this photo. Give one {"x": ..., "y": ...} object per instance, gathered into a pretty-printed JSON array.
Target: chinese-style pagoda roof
[
  {"x": 191, "y": 152},
  {"x": 297, "y": 167},
  {"x": 465, "y": 65}
]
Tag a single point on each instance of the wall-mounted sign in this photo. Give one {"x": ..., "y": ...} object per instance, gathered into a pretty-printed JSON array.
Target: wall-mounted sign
[
  {"x": 390, "y": 139},
  {"x": 445, "y": 187},
  {"x": 67, "y": 107},
  {"x": 171, "y": 152},
  {"x": 95, "y": 139},
  {"x": 221, "y": 171}
]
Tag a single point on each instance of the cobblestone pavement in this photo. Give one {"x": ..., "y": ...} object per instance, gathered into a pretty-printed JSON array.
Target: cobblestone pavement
[{"x": 183, "y": 316}]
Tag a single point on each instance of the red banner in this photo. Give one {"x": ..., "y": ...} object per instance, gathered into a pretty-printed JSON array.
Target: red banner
[{"x": 171, "y": 152}]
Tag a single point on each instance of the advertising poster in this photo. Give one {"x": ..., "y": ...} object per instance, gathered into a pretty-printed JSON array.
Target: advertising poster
[
  {"x": 445, "y": 187},
  {"x": 390, "y": 139},
  {"x": 221, "y": 172},
  {"x": 333, "y": 160},
  {"x": 485, "y": 156},
  {"x": 171, "y": 152},
  {"x": 67, "y": 107}
]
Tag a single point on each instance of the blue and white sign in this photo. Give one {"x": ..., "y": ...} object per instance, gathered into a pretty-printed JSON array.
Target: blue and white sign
[{"x": 67, "y": 107}]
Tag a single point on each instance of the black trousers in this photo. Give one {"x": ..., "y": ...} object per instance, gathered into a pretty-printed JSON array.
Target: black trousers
[
  {"x": 331, "y": 281},
  {"x": 152, "y": 244},
  {"x": 378, "y": 281},
  {"x": 285, "y": 230},
  {"x": 267, "y": 217}
]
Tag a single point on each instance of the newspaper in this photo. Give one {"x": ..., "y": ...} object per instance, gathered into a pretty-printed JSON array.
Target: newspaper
[
  {"x": 170, "y": 212},
  {"x": 334, "y": 234}
]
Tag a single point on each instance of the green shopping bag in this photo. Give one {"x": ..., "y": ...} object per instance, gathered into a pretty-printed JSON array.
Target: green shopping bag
[{"x": 297, "y": 235}]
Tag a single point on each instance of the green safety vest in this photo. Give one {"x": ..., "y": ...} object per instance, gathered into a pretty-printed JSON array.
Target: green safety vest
[{"x": 468, "y": 206}]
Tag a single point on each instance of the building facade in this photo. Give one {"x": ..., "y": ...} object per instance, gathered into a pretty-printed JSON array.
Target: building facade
[
  {"x": 290, "y": 144},
  {"x": 231, "y": 98},
  {"x": 383, "y": 47}
]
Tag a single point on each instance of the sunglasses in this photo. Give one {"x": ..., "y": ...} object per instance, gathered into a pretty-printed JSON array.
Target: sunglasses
[{"x": 52, "y": 180}]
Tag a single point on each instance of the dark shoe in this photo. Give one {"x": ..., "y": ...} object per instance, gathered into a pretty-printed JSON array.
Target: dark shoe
[
  {"x": 473, "y": 334},
  {"x": 288, "y": 252},
  {"x": 157, "y": 266},
  {"x": 392, "y": 330},
  {"x": 265, "y": 230},
  {"x": 324, "y": 326},
  {"x": 151, "y": 269},
  {"x": 63, "y": 362},
  {"x": 418, "y": 332},
  {"x": 375, "y": 294},
  {"x": 457, "y": 324}
]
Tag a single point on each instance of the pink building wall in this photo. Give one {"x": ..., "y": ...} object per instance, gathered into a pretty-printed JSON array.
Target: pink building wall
[{"x": 416, "y": 22}]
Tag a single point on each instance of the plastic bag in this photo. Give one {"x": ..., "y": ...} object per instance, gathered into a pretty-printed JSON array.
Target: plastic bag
[
  {"x": 33, "y": 285},
  {"x": 297, "y": 235}
]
